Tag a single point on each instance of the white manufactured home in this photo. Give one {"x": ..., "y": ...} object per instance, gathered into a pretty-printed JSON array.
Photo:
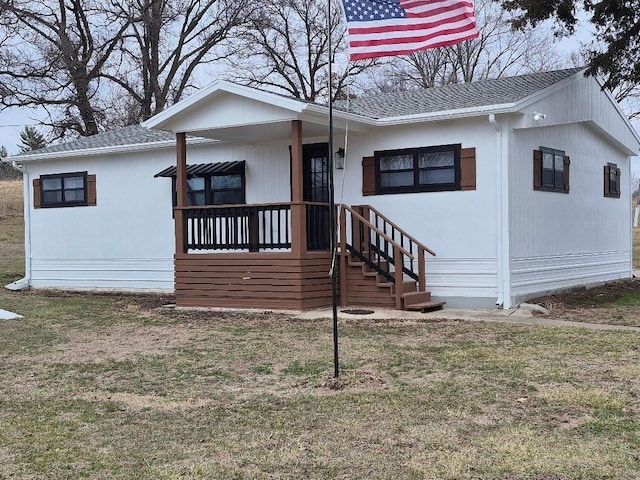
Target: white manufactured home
[{"x": 478, "y": 194}]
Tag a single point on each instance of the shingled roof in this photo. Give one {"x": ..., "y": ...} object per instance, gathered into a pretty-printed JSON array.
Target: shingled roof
[
  {"x": 131, "y": 135},
  {"x": 497, "y": 91}
]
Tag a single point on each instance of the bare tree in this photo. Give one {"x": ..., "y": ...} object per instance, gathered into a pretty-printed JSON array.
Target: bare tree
[
  {"x": 169, "y": 40},
  {"x": 286, "y": 49},
  {"x": 53, "y": 56},
  {"x": 497, "y": 52}
]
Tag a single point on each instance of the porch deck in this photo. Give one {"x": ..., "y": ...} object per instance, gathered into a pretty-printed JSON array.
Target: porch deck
[{"x": 245, "y": 256}]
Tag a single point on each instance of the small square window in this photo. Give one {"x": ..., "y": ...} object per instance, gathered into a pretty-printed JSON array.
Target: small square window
[
  {"x": 63, "y": 190},
  {"x": 551, "y": 170}
]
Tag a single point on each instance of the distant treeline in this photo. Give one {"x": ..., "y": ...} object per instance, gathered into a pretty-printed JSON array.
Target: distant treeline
[{"x": 7, "y": 172}]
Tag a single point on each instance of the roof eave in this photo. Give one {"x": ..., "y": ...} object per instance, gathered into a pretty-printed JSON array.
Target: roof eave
[
  {"x": 447, "y": 114},
  {"x": 136, "y": 147},
  {"x": 159, "y": 121}
]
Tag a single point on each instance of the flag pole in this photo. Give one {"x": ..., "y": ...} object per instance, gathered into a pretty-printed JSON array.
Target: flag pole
[{"x": 332, "y": 208}]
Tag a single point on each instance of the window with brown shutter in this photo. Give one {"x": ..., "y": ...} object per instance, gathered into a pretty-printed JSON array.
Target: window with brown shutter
[
  {"x": 551, "y": 170},
  {"x": 368, "y": 176},
  {"x": 468, "y": 169},
  {"x": 37, "y": 202},
  {"x": 64, "y": 190},
  {"x": 424, "y": 169},
  {"x": 611, "y": 180}
]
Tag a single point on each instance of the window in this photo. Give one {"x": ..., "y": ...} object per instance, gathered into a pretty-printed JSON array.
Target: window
[
  {"x": 63, "y": 190},
  {"x": 418, "y": 169},
  {"x": 611, "y": 180},
  {"x": 220, "y": 183},
  {"x": 223, "y": 189},
  {"x": 550, "y": 170},
  {"x": 227, "y": 189}
]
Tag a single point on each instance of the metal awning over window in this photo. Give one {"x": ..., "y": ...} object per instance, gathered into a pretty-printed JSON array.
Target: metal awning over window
[{"x": 221, "y": 168}]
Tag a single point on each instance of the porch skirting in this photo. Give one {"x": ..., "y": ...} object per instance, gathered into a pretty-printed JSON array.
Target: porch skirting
[{"x": 283, "y": 281}]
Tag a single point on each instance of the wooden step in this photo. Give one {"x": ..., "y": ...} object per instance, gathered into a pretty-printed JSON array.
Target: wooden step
[
  {"x": 412, "y": 298},
  {"x": 425, "y": 306},
  {"x": 408, "y": 286}
]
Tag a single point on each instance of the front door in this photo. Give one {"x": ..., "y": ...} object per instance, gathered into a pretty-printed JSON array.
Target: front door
[{"x": 315, "y": 168}]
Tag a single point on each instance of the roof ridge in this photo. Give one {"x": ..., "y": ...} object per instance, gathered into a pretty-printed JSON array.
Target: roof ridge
[
  {"x": 493, "y": 91},
  {"x": 482, "y": 82}
]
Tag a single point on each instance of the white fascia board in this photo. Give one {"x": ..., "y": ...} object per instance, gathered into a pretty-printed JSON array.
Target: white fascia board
[
  {"x": 447, "y": 114},
  {"x": 319, "y": 114},
  {"x": 86, "y": 152},
  {"x": 215, "y": 88},
  {"x": 596, "y": 128},
  {"x": 616, "y": 105},
  {"x": 352, "y": 117}
]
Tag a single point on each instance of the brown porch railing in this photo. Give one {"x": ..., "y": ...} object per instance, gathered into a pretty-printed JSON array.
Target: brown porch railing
[
  {"x": 381, "y": 244},
  {"x": 251, "y": 227},
  {"x": 238, "y": 227}
]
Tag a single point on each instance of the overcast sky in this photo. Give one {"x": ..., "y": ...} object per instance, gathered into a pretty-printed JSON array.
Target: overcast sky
[{"x": 13, "y": 121}]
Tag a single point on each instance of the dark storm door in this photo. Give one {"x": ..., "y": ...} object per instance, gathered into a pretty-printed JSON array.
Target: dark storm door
[{"x": 315, "y": 166}]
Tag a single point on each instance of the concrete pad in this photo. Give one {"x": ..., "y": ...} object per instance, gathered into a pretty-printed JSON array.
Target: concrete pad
[
  {"x": 517, "y": 316},
  {"x": 7, "y": 315}
]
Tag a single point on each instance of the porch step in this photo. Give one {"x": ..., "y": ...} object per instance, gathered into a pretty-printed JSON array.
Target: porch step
[
  {"x": 413, "y": 298},
  {"x": 425, "y": 306},
  {"x": 420, "y": 301},
  {"x": 408, "y": 287}
]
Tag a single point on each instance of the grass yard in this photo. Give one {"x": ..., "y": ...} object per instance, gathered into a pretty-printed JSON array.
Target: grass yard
[
  {"x": 115, "y": 387},
  {"x": 616, "y": 303},
  {"x": 11, "y": 232},
  {"x": 106, "y": 386}
]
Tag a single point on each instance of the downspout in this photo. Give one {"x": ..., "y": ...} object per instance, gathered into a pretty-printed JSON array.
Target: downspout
[
  {"x": 23, "y": 283},
  {"x": 502, "y": 214}
]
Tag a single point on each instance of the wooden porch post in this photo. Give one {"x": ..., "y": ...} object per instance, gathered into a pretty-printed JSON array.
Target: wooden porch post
[
  {"x": 344, "y": 258},
  {"x": 181, "y": 190},
  {"x": 298, "y": 210}
]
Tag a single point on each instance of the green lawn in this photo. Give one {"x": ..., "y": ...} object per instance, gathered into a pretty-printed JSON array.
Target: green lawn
[{"x": 103, "y": 386}]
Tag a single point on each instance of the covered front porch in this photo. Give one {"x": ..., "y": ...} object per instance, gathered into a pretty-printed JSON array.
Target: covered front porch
[{"x": 276, "y": 254}]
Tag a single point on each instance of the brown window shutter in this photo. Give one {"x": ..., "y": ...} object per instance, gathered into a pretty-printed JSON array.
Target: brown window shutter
[
  {"x": 468, "y": 169},
  {"x": 37, "y": 193},
  {"x": 618, "y": 183},
  {"x": 368, "y": 176},
  {"x": 607, "y": 171},
  {"x": 91, "y": 190},
  {"x": 567, "y": 163},
  {"x": 537, "y": 170}
]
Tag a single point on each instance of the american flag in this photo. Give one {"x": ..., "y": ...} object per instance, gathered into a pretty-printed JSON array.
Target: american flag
[{"x": 379, "y": 28}]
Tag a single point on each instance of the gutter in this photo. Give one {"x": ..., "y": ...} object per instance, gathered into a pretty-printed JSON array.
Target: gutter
[
  {"x": 136, "y": 147},
  {"x": 503, "y": 253},
  {"x": 23, "y": 283}
]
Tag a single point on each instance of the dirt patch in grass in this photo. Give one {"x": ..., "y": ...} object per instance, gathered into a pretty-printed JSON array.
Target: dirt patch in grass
[{"x": 616, "y": 303}]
